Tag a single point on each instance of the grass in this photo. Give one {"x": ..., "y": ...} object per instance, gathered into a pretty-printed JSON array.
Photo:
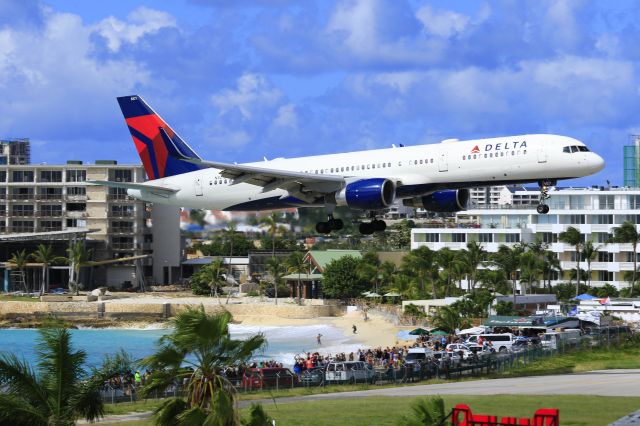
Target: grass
[
  {"x": 624, "y": 356},
  {"x": 131, "y": 407},
  {"x": 574, "y": 409},
  {"x": 10, "y": 298}
]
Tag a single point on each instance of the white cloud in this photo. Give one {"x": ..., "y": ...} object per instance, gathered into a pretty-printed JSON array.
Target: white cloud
[
  {"x": 357, "y": 20},
  {"x": 286, "y": 117},
  {"x": 141, "y": 21},
  {"x": 442, "y": 23},
  {"x": 252, "y": 92}
]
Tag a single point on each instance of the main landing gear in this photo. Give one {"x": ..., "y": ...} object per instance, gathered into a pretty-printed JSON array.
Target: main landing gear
[
  {"x": 331, "y": 224},
  {"x": 543, "y": 208}
]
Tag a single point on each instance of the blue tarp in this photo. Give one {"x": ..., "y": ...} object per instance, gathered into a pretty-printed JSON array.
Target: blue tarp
[
  {"x": 404, "y": 335},
  {"x": 584, "y": 296}
]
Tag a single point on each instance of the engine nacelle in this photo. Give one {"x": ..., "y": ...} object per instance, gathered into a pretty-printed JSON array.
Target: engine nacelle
[
  {"x": 441, "y": 201},
  {"x": 367, "y": 194}
]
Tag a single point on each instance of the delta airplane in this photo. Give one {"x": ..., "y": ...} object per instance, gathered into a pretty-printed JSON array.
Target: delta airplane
[{"x": 435, "y": 177}]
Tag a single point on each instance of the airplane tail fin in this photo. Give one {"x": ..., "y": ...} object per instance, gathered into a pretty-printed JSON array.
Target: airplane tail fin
[{"x": 162, "y": 151}]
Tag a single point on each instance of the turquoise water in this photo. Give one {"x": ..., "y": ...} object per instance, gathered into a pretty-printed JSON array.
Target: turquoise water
[{"x": 283, "y": 342}]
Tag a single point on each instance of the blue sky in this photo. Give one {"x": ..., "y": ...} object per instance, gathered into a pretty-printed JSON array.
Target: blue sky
[{"x": 243, "y": 79}]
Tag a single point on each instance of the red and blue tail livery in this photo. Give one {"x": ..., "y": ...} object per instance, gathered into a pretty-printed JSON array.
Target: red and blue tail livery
[{"x": 162, "y": 151}]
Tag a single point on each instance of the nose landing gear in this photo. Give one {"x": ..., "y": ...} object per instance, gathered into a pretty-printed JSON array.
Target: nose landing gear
[{"x": 544, "y": 185}]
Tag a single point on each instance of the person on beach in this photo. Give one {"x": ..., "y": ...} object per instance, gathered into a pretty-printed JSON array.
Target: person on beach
[
  {"x": 355, "y": 329},
  {"x": 319, "y": 338}
]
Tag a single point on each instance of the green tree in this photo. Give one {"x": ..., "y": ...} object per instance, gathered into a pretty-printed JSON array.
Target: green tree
[
  {"x": 78, "y": 256},
  {"x": 494, "y": 280},
  {"x": 369, "y": 268},
  {"x": 232, "y": 226},
  {"x": 425, "y": 412},
  {"x": 276, "y": 268},
  {"x": 421, "y": 263},
  {"x": 508, "y": 259},
  {"x": 446, "y": 260},
  {"x": 573, "y": 237},
  {"x": 530, "y": 269},
  {"x": 197, "y": 216},
  {"x": 20, "y": 260},
  {"x": 207, "y": 280},
  {"x": 448, "y": 319},
  {"x": 551, "y": 264},
  {"x": 203, "y": 345},
  {"x": 627, "y": 233},
  {"x": 257, "y": 416},
  {"x": 473, "y": 258},
  {"x": 46, "y": 257},
  {"x": 589, "y": 253},
  {"x": 296, "y": 265},
  {"x": 399, "y": 235},
  {"x": 505, "y": 309},
  {"x": 59, "y": 391},
  {"x": 341, "y": 279}
]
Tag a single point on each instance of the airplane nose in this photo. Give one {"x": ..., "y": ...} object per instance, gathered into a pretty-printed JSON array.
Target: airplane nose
[{"x": 597, "y": 163}]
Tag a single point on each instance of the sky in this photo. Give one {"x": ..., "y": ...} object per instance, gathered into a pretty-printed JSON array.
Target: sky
[{"x": 245, "y": 79}]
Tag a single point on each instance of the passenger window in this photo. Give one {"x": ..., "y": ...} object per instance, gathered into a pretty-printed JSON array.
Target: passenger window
[{"x": 431, "y": 160}]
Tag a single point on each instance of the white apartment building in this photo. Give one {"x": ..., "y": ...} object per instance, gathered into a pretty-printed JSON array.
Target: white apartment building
[
  {"x": 593, "y": 211},
  {"x": 37, "y": 199}
]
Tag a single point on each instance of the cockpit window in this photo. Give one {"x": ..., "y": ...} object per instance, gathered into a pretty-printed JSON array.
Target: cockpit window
[{"x": 575, "y": 148}]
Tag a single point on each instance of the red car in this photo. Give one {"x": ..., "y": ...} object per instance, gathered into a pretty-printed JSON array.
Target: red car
[{"x": 259, "y": 378}]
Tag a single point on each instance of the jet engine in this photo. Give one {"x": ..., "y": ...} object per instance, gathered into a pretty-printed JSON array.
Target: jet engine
[
  {"x": 367, "y": 194},
  {"x": 441, "y": 201}
]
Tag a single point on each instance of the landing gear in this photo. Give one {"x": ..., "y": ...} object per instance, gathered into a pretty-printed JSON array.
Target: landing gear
[
  {"x": 368, "y": 228},
  {"x": 330, "y": 225},
  {"x": 543, "y": 208}
]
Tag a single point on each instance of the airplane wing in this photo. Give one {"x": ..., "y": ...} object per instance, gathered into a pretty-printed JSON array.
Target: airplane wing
[{"x": 160, "y": 190}]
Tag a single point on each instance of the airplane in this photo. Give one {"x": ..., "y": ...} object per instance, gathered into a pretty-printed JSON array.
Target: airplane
[{"x": 436, "y": 177}]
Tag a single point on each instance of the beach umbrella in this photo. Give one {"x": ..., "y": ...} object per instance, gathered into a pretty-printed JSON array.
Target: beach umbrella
[
  {"x": 438, "y": 333},
  {"x": 392, "y": 294},
  {"x": 584, "y": 296},
  {"x": 419, "y": 332},
  {"x": 372, "y": 295}
]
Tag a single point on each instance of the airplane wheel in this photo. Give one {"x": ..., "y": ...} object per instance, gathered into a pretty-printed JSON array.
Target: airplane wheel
[
  {"x": 542, "y": 209},
  {"x": 366, "y": 228},
  {"x": 379, "y": 225},
  {"x": 336, "y": 224},
  {"x": 323, "y": 228}
]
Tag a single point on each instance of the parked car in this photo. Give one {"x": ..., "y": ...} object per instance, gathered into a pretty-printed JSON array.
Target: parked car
[
  {"x": 501, "y": 342},
  {"x": 349, "y": 371},
  {"x": 462, "y": 349},
  {"x": 312, "y": 377},
  {"x": 260, "y": 378},
  {"x": 444, "y": 357}
]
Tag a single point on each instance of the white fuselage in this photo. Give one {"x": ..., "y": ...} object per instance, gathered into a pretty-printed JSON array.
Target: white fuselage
[{"x": 449, "y": 164}]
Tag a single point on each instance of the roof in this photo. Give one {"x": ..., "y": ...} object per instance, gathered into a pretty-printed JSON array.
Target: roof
[
  {"x": 526, "y": 322},
  {"x": 394, "y": 257},
  {"x": 208, "y": 259},
  {"x": 303, "y": 277},
  {"x": 320, "y": 259},
  {"x": 529, "y": 299}
]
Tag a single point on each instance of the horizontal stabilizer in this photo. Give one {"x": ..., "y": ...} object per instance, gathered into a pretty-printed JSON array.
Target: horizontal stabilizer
[{"x": 138, "y": 186}]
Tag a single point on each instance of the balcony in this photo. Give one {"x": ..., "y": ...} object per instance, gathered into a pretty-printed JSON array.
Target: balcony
[
  {"x": 76, "y": 214},
  {"x": 45, "y": 213},
  {"x": 22, "y": 213},
  {"x": 119, "y": 197},
  {"x": 50, "y": 197},
  {"x": 123, "y": 246},
  {"x": 123, "y": 230},
  {"x": 71, "y": 197},
  {"x": 30, "y": 196},
  {"x": 20, "y": 229},
  {"x": 123, "y": 214}
]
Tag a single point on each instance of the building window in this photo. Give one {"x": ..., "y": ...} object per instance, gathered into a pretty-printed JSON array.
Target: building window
[
  {"x": 604, "y": 256},
  {"x": 76, "y": 207},
  {"x": 512, "y": 238},
  {"x": 22, "y": 226},
  {"x": 458, "y": 238},
  {"x": 122, "y": 226},
  {"x": 605, "y": 276},
  {"x": 76, "y": 190},
  {"x": 485, "y": 238},
  {"x": 633, "y": 218},
  {"x": 22, "y": 210},
  {"x": 51, "y": 193},
  {"x": 51, "y": 176},
  {"x": 122, "y": 211},
  {"x": 634, "y": 201},
  {"x": 547, "y": 237},
  {"x": 606, "y": 202},
  {"x": 123, "y": 175},
  {"x": 21, "y": 193},
  {"x": 22, "y": 176},
  {"x": 3, "y": 175},
  {"x": 603, "y": 237},
  {"x": 51, "y": 225},
  {"x": 51, "y": 210},
  {"x": 603, "y": 219},
  {"x": 76, "y": 175}
]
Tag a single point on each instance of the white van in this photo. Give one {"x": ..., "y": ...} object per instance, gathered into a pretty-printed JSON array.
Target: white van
[
  {"x": 554, "y": 339},
  {"x": 349, "y": 371},
  {"x": 501, "y": 342},
  {"x": 416, "y": 356}
]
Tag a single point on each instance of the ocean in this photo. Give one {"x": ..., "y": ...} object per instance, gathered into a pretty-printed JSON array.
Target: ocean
[{"x": 283, "y": 343}]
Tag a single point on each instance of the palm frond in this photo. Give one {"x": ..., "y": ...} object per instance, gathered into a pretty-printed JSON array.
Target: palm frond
[
  {"x": 17, "y": 411},
  {"x": 20, "y": 379},
  {"x": 167, "y": 413}
]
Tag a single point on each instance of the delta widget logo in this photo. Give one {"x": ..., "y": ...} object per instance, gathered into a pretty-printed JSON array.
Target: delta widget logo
[{"x": 475, "y": 150}]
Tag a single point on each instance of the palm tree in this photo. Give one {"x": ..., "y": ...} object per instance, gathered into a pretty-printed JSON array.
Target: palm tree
[
  {"x": 197, "y": 351},
  {"x": 78, "y": 255},
  {"x": 627, "y": 233},
  {"x": 589, "y": 253},
  {"x": 420, "y": 262},
  {"x": 448, "y": 319},
  {"x": 550, "y": 264},
  {"x": 388, "y": 270},
  {"x": 297, "y": 265},
  {"x": 45, "y": 256},
  {"x": 530, "y": 268},
  {"x": 370, "y": 268},
  {"x": 509, "y": 260},
  {"x": 257, "y": 416},
  {"x": 445, "y": 258},
  {"x": 573, "y": 237},
  {"x": 60, "y": 390},
  {"x": 494, "y": 280},
  {"x": 472, "y": 259},
  {"x": 276, "y": 268},
  {"x": 232, "y": 226},
  {"x": 273, "y": 229},
  {"x": 215, "y": 271},
  {"x": 20, "y": 260},
  {"x": 426, "y": 412}
]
